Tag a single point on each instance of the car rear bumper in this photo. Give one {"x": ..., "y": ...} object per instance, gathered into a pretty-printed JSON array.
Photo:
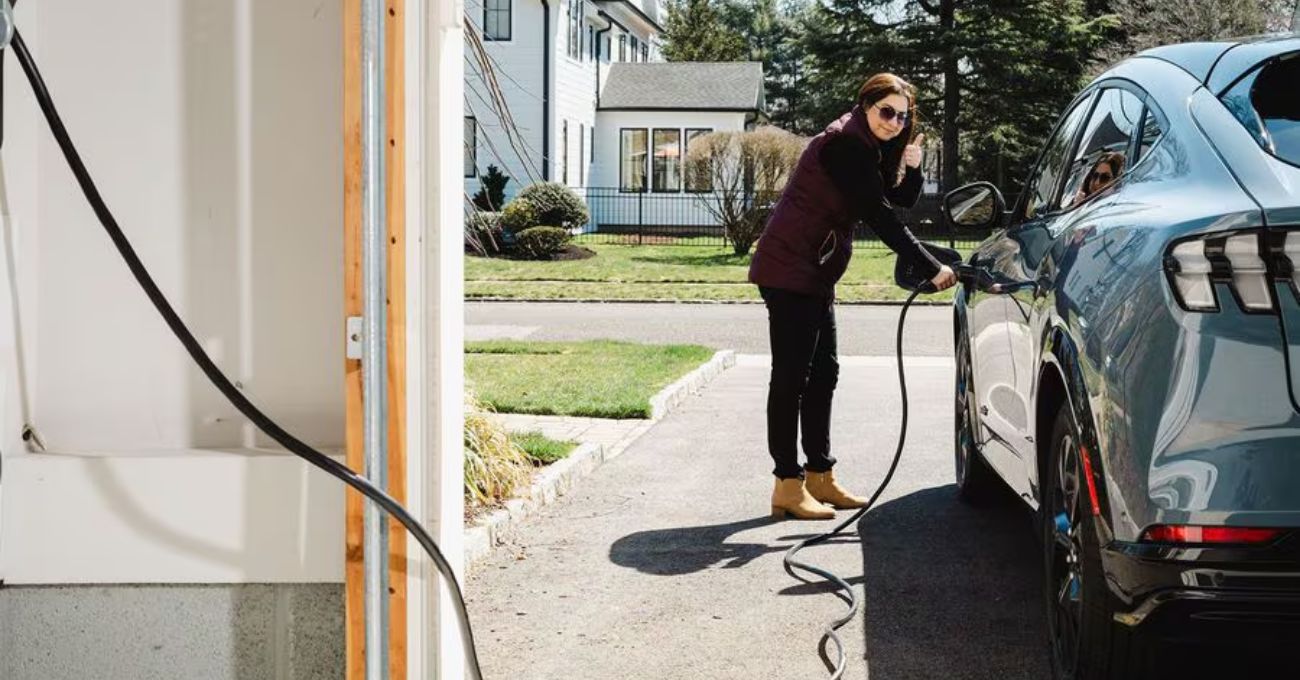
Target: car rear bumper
[{"x": 1216, "y": 591}]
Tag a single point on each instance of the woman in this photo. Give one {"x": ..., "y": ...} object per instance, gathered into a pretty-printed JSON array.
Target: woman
[
  {"x": 1105, "y": 171},
  {"x": 852, "y": 172}
]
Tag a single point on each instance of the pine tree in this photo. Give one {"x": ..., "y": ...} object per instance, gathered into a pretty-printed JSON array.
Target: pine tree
[
  {"x": 992, "y": 75},
  {"x": 694, "y": 31},
  {"x": 771, "y": 31}
]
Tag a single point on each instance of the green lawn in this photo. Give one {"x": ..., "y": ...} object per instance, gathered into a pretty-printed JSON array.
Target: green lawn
[
  {"x": 600, "y": 378},
  {"x": 661, "y": 272}
]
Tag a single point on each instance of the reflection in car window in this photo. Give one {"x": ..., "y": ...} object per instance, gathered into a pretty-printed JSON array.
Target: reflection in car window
[
  {"x": 1268, "y": 104},
  {"x": 1150, "y": 135},
  {"x": 1042, "y": 186},
  {"x": 1102, "y": 152}
]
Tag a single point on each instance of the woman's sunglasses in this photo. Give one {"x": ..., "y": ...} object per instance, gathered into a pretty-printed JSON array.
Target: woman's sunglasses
[
  {"x": 1103, "y": 177},
  {"x": 888, "y": 113}
]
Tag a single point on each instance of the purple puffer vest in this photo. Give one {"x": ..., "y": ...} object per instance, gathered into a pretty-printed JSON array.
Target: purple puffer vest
[{"x": 796, "y": 251}]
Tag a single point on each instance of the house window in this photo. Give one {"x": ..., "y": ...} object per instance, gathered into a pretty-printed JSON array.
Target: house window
[
  {"x": 645, "y": 52},
  {"x": 632, "y": 155},
  {"x": 471, "y": 147},
  {"x": 702, "y": 180},
  {"x": 582, "y": 155},
  {"x": 635, "y": 48},
  {"x": 591, "y": 43},
  {"x": 575, "y": 29},
  {"x": 496, "y": 19},
  {"x": 622, "y": 47},
  {"x": 668, "y": 161},
  {"x": 608, "y": 49},
  {"x": 564, "y": 154}
]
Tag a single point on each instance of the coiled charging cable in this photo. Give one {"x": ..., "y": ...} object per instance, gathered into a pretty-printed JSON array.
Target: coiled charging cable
[{"x": 855, "y": 603}]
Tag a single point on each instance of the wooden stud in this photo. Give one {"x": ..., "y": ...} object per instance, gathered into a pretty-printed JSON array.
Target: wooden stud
[
  {"x": 354, "y": 566},
  {"x": 396, "y": 332},
  {"x": 395, "y": 68}
]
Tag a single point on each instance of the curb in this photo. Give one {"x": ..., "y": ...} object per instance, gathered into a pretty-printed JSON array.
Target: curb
[
  {"x": 647, "y": 301},
  {"x": 671, "y": 397},
  {"x": 558, "y": 478},
  {"x": 552, "y": 482}
]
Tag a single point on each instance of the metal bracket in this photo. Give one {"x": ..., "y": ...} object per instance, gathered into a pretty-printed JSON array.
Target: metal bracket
[
  {"x": 7, "y": 26},
  {"x": 7, "y": 29},
  {"x": 353, "y": 334}
]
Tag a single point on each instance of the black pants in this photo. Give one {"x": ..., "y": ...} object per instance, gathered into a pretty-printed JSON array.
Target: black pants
[{"x": 805, "y": 370}]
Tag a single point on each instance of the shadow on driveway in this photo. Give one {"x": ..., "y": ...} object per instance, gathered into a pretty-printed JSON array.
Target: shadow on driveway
[
  {"x": 952, "y": 591},
  {"x": 673, "y": 552}
]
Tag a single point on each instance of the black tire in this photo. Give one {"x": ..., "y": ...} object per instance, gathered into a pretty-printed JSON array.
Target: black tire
[
  {"x": 977, "y": 484},
  {"x": 1084, "y": 640}
]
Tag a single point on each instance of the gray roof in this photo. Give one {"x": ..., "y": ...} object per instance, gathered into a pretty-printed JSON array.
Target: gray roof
[{"x": 685, "y": 86}]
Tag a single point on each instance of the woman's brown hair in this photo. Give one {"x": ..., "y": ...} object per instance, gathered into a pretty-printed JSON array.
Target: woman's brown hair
[
  {"x": 1116, "y": 162},
  {"x": 876, "y": 88}
]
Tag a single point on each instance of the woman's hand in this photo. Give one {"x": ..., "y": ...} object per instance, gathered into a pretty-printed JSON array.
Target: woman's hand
[
  {"x": 912, "y": 153},
  {"x": 945, "y": 279}
]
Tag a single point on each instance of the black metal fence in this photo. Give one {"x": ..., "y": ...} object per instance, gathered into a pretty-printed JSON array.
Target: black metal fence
[{"x": 629, "y": 218}]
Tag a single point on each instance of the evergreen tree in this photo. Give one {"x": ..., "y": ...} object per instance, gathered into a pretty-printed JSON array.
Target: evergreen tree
[
  {"x": 992, "y": 75},
  {"x": 771, "y": 30},
  {"x": 694, "y": 31}
]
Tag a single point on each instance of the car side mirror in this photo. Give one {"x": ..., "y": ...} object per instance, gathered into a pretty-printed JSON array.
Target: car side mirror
[{"x": 974, "y": 206}]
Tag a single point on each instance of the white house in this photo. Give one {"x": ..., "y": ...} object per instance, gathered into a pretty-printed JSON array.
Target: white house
[{"x": 576, "y": 91}]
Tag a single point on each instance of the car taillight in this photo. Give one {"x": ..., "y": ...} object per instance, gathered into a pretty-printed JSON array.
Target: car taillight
[
  {"x": 1169, "y": 533},
  {"x": 1289, "y": 256},
  {"x": 1189, "y": 270},
  {"x": 1194, "y": 267},
  {"x": 1249, "y": 272}
]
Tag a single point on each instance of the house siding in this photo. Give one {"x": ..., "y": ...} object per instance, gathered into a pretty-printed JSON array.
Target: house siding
[
  {"x": 518, "y": 64},
  {"x": 611, "y": 207},
  {"x": 605, "y": 172},
  {"x": 575, "y": 99}
]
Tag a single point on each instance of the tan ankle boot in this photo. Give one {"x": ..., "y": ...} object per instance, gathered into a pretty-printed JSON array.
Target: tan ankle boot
[
  {"x": 790, "y": 497},
  {"x": 823, "y": 487}
]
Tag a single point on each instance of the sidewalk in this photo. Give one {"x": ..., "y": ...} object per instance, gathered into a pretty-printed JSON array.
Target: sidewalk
[{"x": 663, "y": 564}]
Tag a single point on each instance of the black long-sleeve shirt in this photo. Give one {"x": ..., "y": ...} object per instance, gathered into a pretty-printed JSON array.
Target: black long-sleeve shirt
[{"x": 855, "y": 170}]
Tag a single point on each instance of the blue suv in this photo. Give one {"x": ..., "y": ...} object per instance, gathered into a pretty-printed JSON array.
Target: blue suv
[{"x": 1128, "y": 363}]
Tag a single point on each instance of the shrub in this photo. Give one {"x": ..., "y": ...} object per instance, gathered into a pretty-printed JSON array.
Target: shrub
[
  {"x": 491, "y": 195},
  {"x": 518, "y": 216},
  {"x": 556, "y": 204},
  {"x": 483, "y": 233},
  {"x": 494, "y": 465},
  {"x": 542, "y": 242},
  {"x": 747, "y": 171}
]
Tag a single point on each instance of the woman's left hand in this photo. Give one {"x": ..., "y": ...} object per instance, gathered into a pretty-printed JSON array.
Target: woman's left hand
[{"x": 912, "y": 153}]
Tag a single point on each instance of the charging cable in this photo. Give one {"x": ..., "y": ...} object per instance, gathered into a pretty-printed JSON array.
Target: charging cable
[
  {"x": 908, "y": 274},
  {"x": 855, "y": 603}
]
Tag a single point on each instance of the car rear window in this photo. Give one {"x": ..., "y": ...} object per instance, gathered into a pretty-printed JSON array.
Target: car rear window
[{"x": 1267, "y": 102}]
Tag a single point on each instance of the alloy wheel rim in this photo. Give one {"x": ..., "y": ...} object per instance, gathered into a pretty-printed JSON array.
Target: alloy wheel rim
[
  {"x": 1065, "y": 577},
  {"x": 963, "y": 417}
]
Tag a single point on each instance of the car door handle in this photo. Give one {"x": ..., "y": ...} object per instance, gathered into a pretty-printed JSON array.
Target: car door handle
[{"x": 984, "y": 410}]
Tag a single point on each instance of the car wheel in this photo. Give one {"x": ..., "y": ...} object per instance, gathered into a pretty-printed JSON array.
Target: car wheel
[
  {"x": 1086, "y": 642},
  {"x": 976, "y": 483}
]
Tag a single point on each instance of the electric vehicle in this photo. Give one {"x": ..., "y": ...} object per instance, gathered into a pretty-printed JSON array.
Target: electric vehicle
[{"x": 1129, "y": 363}]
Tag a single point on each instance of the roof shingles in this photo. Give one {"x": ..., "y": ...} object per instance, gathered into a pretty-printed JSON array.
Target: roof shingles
[{"x": 684, "y": 85}]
